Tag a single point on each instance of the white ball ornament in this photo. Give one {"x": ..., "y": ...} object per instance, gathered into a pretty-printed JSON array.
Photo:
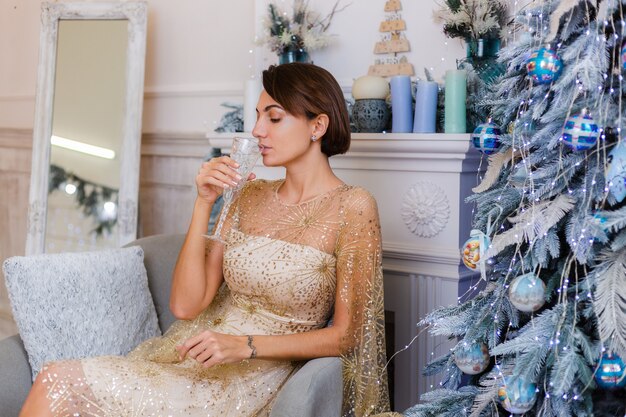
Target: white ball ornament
[
  {"x": 527, "y": 293},
  {"x": 370, "y": 87},
  {"x": 472, "y": 358}
]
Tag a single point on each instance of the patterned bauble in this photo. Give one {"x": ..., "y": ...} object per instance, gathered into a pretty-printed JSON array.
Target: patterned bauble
[
  {"x": 544, "y": 66},
  {"x": 516, "y": 395},
  {"x": 581, "y": 132},
  {"x": 611, "y": 372},
  {"x": 527, "y": 293},
  {"x": 616, "y": 172},
  {"x": 472, "y": 358},
  {"x": 486, "y": 137},
  {"x": 623, "y": 54},
  {"x": 473, "y": 250}
]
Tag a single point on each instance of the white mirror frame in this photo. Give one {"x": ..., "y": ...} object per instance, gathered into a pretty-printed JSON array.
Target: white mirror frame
[{"x": 51, "y": 13}]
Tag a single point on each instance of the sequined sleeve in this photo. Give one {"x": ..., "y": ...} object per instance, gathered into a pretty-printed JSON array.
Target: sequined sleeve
[{"x": 360, "y": 290}]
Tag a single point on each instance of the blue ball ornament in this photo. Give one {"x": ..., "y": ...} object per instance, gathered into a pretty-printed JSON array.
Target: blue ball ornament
[
  {"x": 544, "y": 66},
  {"x": 581, "y": 132},
  {"x": 516, "y": 395},
  {"x": 615, "y": 173},
  {"x": 486, "y": 137},
  {"x": 611, "y": 372},
  {"x": 527, "y": 293},
  {"x": 472, "y": 358},
  {"x": 623, "y": 55}
]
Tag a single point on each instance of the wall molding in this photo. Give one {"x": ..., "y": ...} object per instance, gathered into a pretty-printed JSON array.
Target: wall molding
[{"x": 230, "y": 89}]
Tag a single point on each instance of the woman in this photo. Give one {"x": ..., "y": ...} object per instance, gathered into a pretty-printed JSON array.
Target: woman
[{"x": 297, "y": 252}]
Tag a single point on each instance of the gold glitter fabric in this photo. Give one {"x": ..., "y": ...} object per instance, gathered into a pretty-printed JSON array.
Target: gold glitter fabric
[{"x": 287, "y": 267}]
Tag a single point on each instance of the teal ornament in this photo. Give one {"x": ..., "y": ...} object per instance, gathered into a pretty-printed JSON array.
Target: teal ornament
[
  {"x": 544, "y": 66},
  {"x": 516, "y": 395},
  {"x": 615, "y": 173},
  {"x": 486, "y": 138},
  {"x": 611, "y": 372},
  {"x": 581, "y": 132},
  {"x": 527, "y": 293},
  {"x": 623, "y": 55},
  {"x": 472, "y": 358},
  {"x": 473, "y": 250}
]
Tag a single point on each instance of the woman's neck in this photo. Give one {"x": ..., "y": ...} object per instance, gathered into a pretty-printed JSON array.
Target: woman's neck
[{"x": 306, "y": 181}]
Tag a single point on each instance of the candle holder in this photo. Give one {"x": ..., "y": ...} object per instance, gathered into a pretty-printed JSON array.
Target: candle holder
[{"x": 371, "y": 115}]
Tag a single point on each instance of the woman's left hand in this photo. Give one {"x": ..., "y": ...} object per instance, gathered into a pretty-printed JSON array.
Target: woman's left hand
[{"x": 210, "y": 348}]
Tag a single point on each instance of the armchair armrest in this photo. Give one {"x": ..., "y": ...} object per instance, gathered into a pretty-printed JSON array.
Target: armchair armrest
[
  {"x": 16, "y": 378},
  {"x": 315, "y": 390}
]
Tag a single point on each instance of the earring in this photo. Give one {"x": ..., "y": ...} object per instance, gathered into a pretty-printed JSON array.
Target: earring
[{"x": 313, "y": 138}]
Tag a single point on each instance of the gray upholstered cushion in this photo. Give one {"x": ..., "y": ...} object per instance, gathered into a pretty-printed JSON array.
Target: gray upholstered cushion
[
  {"x": 314, "y": 391},
  {"x": 160, "y": 254},
  {"x": 74, "y": 305},
  {"x": 14, "y": 376}
]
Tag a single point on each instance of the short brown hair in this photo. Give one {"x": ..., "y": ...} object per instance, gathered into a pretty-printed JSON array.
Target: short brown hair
[{"x": 308, "y": 90}]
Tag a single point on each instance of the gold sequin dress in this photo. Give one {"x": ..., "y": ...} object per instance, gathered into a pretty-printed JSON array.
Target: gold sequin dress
[{"x": 284, "y": 265}]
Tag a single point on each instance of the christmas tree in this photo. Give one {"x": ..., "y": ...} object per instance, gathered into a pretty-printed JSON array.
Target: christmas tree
[{"x": 544, "y": 332}]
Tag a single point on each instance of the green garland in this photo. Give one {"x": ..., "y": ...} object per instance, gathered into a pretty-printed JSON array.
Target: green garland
[{"x": 90, "y": 197}]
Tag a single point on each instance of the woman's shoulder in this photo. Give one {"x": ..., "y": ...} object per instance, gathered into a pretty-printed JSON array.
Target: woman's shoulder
[
  {"x": 358, "y": 198},
  {"x": 259, "y": 185},
  {"x": 258, "y": 191}
]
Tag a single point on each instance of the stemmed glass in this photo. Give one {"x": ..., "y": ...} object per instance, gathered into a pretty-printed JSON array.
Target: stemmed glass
[{"x": 245, "y": 151}]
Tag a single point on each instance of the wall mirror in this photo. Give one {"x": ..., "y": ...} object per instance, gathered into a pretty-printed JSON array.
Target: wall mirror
[{"x": 86, "y": 138}]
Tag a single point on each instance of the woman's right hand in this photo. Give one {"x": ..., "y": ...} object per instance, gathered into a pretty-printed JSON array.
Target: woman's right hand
[{"x": 214, "y": 176}]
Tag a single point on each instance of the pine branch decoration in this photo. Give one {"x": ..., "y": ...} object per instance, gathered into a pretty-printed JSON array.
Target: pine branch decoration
[
  {"x": 534, "y": 222},
  {"x": 610, "y": 300}
]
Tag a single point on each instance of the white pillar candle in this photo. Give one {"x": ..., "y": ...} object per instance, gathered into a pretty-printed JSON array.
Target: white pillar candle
[
  {"x": 252, "y": 91},
  {"x": 370, "y": 86}
]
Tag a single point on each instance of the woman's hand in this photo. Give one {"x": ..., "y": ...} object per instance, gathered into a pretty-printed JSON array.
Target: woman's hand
[
  {"x": 215, "y": 176},
  {"x": 210, "y": 348}
]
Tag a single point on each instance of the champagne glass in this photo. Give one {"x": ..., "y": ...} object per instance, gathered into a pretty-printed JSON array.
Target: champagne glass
[{"x": 245, "y": 151}]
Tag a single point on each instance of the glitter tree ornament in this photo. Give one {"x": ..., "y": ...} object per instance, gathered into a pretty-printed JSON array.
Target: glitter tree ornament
[
  {"x": 527, "y": 293},
  {"x": 516, "y": 395},
  {"x": 581, "y": 132},
  {"x": 611, "y": 372},
  {"x": 472, "y": 358},
  {"x": 544, "y": 66},
  {"x": 486, "y": 137}
]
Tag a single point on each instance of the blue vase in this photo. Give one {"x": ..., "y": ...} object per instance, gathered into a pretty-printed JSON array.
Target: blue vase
[{"x": 299, "y": 55}]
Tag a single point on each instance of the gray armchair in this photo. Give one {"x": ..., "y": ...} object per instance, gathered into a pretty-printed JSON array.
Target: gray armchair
[{"x": 314, "y": 391}]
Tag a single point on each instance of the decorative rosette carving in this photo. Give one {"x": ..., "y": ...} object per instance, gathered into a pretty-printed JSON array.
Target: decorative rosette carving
[{"x": 425, "y": 209}]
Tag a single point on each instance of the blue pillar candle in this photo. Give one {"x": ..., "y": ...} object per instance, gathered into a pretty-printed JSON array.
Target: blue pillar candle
[
  {"x": 401, "y": 104},
  {"x": 455, "y": 96},
  {"x": 425, "y": 107}
]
